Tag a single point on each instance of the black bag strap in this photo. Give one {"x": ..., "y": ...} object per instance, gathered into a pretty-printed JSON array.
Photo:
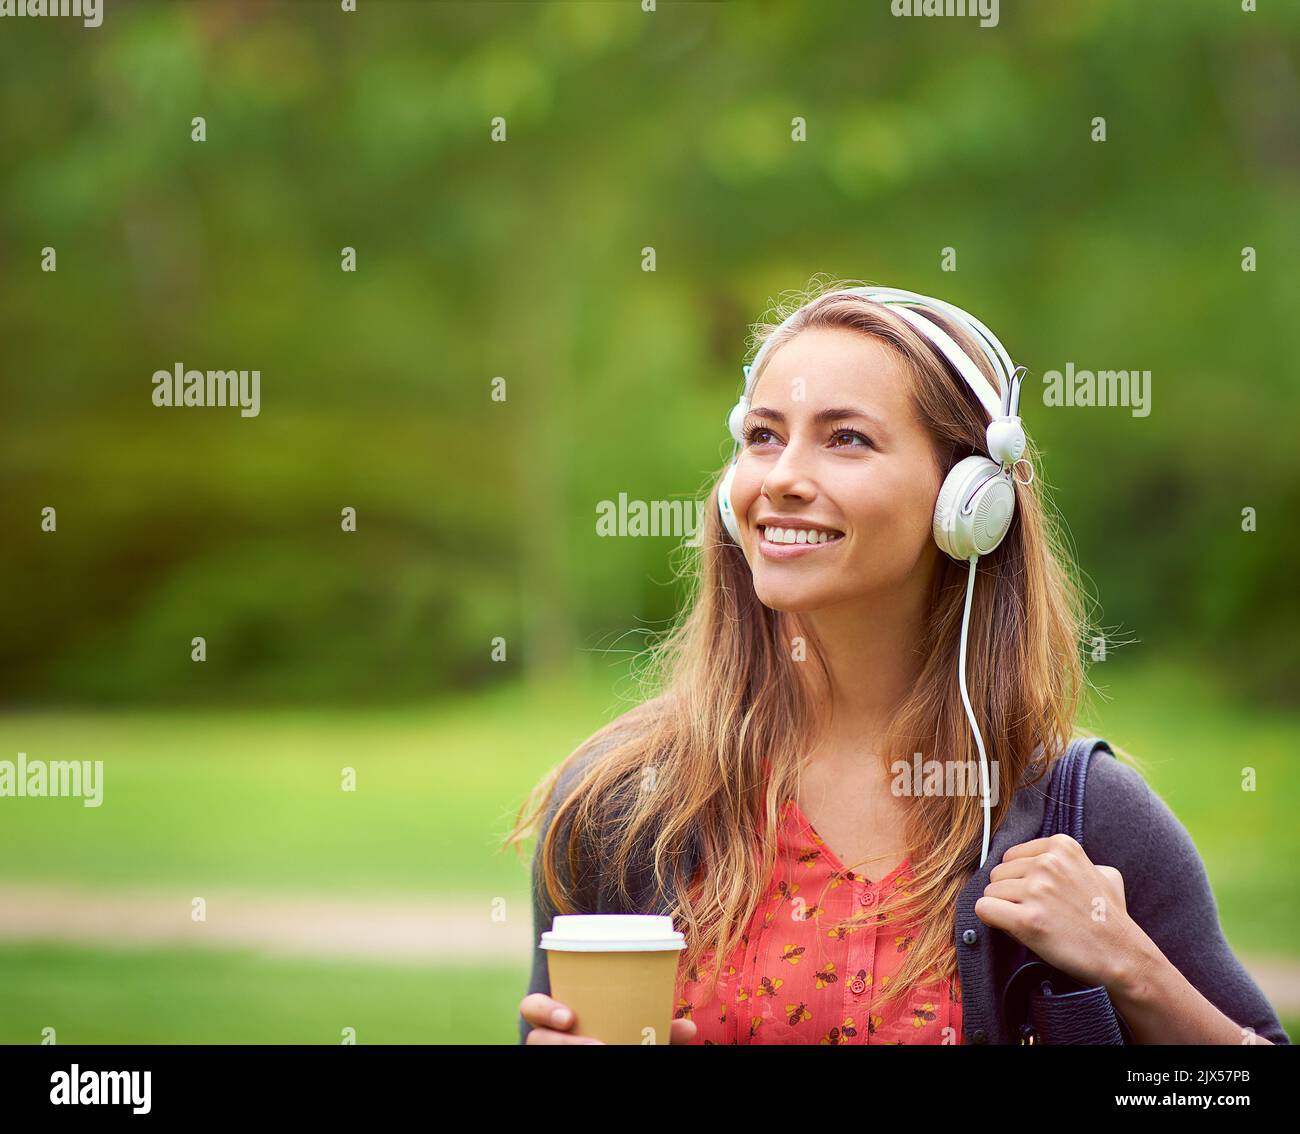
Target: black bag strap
[
  {"x": 1062, "y": 812},
  {"x": 1063, "y": 808}
]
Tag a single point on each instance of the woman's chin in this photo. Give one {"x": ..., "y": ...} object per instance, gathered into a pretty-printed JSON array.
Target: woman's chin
[{"x": 793, "y": 600}]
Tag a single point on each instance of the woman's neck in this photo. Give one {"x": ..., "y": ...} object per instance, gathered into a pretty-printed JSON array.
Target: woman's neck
[{"x": 874, "y": 656}]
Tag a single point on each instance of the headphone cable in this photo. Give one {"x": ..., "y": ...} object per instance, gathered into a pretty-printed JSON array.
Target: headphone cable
[{"x": 970, "y": 713}]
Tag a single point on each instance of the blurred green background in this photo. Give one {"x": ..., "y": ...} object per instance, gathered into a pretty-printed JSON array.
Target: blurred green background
[{"x": 523, "y": 260}]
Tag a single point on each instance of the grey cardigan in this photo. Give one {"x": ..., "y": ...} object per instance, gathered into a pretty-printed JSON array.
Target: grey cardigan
[{"x": 1126, "y": 825}]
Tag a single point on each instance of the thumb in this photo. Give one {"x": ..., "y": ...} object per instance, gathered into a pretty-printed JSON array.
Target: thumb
[{"x": 1116, "y": 879}]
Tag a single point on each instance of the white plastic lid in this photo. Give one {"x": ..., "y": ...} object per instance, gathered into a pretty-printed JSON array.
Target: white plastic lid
[{"x": 611, "y": 933}]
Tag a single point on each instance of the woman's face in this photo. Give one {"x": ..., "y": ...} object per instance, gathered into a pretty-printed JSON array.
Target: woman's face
[{"x": 833, "y": 445}]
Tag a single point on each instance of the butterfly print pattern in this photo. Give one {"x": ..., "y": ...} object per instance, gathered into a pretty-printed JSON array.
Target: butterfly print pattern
[{"x": 796, "y": 977}]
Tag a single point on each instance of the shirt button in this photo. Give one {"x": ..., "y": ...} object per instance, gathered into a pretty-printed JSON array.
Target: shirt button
[
  {"x": 979, "y": 1035},
  {"x": 858, "y": 987},
  {"x": 969, "y": 937},
  {"x": 867, "y": 898}
]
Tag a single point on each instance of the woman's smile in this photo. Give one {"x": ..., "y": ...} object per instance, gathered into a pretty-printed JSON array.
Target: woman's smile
[{"x": 791, "y": 542}]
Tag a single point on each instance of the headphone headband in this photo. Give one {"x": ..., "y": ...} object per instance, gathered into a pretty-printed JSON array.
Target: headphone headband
[{"x": 995, "y": 405}]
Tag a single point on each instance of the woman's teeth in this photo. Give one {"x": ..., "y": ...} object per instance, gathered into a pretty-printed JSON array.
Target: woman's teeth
[{"x": 799, "y": 535}]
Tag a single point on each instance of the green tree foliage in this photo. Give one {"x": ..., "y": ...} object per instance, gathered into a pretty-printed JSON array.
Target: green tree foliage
[{"x": 522, "y": 259}]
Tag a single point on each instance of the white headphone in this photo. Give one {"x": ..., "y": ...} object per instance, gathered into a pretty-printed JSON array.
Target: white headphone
[{"x": 977, "y": 502}]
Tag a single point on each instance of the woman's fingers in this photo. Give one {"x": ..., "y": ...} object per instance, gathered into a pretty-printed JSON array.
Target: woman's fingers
[
  {"x": 683, "y": 1031},
  {"x": 551, "y": 1020},
  {"x": 549, "y": 1035},
  {"x": 996, "y": 912},
  {"x": 1016, "y": 868},
  {"x": 542, "y": 1011}
]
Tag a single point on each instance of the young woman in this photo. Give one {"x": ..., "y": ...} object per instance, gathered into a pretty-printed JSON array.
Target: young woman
[{"x": 827, "y": 894}]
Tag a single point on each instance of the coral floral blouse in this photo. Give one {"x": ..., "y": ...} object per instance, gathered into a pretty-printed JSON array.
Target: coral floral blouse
[{"x": 798, "y": 978}]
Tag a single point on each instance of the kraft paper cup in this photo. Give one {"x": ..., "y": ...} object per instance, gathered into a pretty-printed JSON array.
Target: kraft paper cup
[{"x": 618, "y": 973}]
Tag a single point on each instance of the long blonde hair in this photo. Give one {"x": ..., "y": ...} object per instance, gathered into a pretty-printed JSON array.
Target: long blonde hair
[{"x": 727, "y": 725}]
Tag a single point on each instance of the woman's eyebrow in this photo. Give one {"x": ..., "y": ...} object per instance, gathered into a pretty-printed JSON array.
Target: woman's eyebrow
[{"x": 821, "y": 417}]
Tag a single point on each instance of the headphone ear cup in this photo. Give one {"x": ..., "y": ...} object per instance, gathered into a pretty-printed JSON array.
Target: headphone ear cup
[
  {"x": 945, "y": 506},
  {"x": 736, "y": 419},
  {"x": 984, "y": 524},
  {"x": 724, "y": 503}
]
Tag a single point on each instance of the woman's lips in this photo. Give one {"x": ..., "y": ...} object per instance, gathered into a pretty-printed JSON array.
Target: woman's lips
[{"x": 771, "y": 550}]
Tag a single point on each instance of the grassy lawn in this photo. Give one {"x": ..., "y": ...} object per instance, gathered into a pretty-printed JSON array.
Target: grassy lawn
[
  {"x": 1192, "y": 747},
  {"x": 182, "y": 997},
  {"x": 170, "y": 997},
  {"x": 227, "y": 799},
  {"x": 221, "y": 800}
]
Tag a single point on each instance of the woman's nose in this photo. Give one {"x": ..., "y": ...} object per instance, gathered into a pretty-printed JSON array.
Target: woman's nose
[{"x": 790, "y": 475}]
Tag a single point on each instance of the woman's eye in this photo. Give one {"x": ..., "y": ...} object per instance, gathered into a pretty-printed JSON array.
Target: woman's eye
[
  {"x": 862, "y": 437},
  {"x": 753, "y": 435}
]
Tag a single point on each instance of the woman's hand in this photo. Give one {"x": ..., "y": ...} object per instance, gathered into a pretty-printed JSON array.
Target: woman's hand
[
  {"x": 552, "y": 1020},
  {"x": 1052, "y": 898}
]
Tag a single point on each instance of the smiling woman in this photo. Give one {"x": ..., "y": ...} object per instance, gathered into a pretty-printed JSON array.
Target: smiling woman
[
  {"x": 839, "y": 624},
  {"x": 805, "y": 466}
]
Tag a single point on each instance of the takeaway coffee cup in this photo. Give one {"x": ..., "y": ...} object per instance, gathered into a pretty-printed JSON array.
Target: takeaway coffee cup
[{"x": 618, "y": 973}]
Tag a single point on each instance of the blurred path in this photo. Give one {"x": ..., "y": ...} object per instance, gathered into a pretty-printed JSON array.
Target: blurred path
[
  {"x": 402, "y": 931},
  {"x": 395, "y": 930}
]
